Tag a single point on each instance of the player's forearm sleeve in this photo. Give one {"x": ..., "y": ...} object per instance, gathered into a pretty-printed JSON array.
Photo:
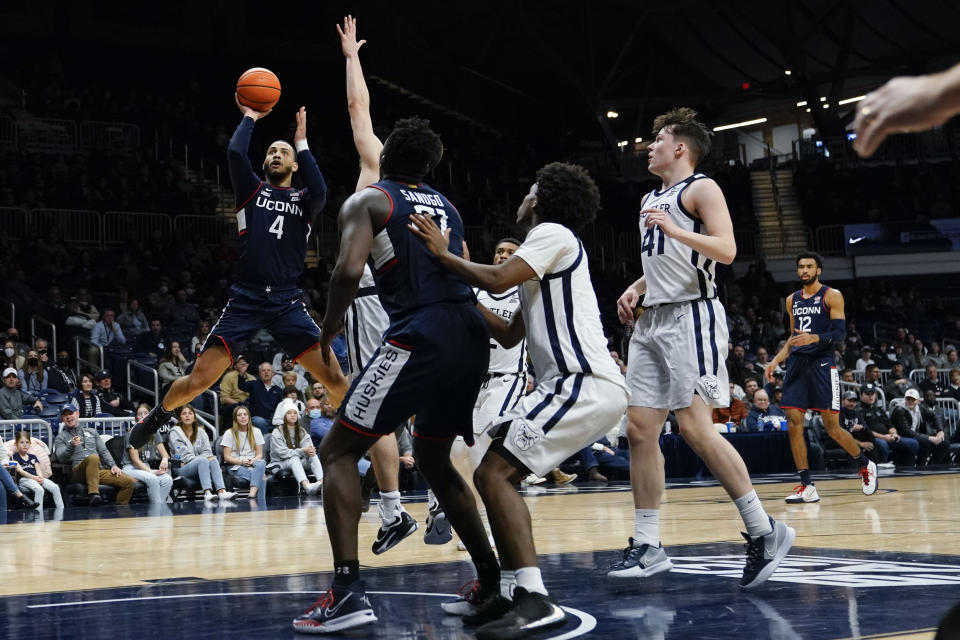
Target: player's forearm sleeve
[
  {"x": 837, "y": 332},
  {"x": 242, "y": 177}
]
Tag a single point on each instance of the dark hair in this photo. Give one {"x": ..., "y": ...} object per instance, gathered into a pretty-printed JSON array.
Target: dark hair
[
  {"x": 508, "y": 239},
  {"x": 411, "y": 150},
  {"x": 811, "y": 255},
  {"x": 682, "y": 123},
  {"x": 567, "y": 195}
]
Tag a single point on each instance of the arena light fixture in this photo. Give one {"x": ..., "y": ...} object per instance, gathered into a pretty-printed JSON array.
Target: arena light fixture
[
  {"x": 802, "y": 103},
  {"x": 849, "y": 100},
  {"x": 823, "y": 98},
  {"x": 612, "y": 114},
  {"x": 622, "y": 143},
  {"x": 787, "y": 72},
  {"x": 826, "y": 105},
  {"x": 808, "y": 109},
  {"x": 638, "y": 140},
  {"x": 745, "y": 123}
]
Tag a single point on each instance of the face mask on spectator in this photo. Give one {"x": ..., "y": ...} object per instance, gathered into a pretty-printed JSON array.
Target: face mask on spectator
[
  {"x": 8, "y": 352},
  {"x": 315, "y": 413}
]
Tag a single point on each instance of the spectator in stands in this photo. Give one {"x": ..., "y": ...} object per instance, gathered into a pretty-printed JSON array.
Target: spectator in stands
[
  {"x": 897, "y": 383},
  {"x": 12, "y": 399},
  {"x": 242, "y": 448},
  {"x": 317, "y": 390},
  {"x": 133, "y": 321},
  {"x": 264, "y": 396},
  {"x": 291, "y": 449},
  {"x": 953, "y": 358},
  {"x": 110, "y": 401},
  {"x": 876, "y": 449},
  {"x": 872, "y": 374},
  {"x": 320, "y": 424},
  {"x": 150, "y": 464},
  {"x": 30, "y": 476},
  {"x": 847, "y": 375},
  {"x": 289, "y": 393},
  {"x": 934, "y": 356},
  {"x": 172, "y": 364},
  {"x": 42, "y": 348},
  {"x": 190, "y": 444},
  {"x": 79, "y": 324},
  {"x": 230, "y": 394},
  {"x": 107, "y": 333},
  {"x": 763, "y": 358},
  {"x": 11, "y": 355},
  {"x": 7, "y": 485},
  {"x": 866, "y": 357},
  {"x": 763, "y": 416},
  {"x": 85, "y": 306},
  {"x": 199, "y": 338},
  {"x": 154, "y": 342},
  {"x": 33, "y": 377},
  {"x": 750, "y": 388},
  {"x": 183, "y": 317},
  {"x": 735, "y": 413},
  {"x": 91, "y": 461},
  {"x": 738, "y": 368},
  {"x": 60, "y": 376},
  {"x": 853, "y": 339},
  {"x": 87, "y": 398},
  {"x": 286, "y": 366},
  {"x": 931, "y": 381},
  {"x": 619, "y": 361},
  {"x": 919, "y": 353},
  {"x": 914, "y": 420},
  {"x": 162, "y": 301},
  {"x": 875, "y": 418},
  {"x": 953, "y": 389}
]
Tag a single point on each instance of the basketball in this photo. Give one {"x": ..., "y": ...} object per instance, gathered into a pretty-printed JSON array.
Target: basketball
[{"x": 258, "y": 88}]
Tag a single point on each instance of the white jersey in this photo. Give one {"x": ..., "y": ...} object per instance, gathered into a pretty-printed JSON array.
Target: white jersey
[
  {"x": 674, "y": 271},
  {"x": 502, "y": 360},
  {"x": 365, "y": 323},
  {"x": 560, "y": 310}
]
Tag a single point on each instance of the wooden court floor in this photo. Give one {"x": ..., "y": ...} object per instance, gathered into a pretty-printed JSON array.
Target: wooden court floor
[{"x": 908, "y": 515}]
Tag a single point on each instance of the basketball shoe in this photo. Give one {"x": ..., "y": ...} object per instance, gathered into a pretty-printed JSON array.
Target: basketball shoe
[
  {"x": 390, "y": 536},
  {"x": 469, "y": 598},
  {"x": 438, "y": 527},
  {"x": 641, "y": 561},
  {"x": 531, "y": 613},
  {"x": 764, "y": 554},
  {"x": 803, "y": 493},
  {"x": 869, "y": 476},
  {"x": 339, "y": 608}
]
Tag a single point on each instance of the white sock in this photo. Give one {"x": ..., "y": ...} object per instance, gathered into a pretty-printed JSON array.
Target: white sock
[
  {"x": 508, "y": 580},
  {"x": 529, "y": 578},
  {"x": 646, "y": 527},
  {"x": 389, "y": 506},
  {"x": 432, "y": 503},
  {"x": 751, "y": 510}
]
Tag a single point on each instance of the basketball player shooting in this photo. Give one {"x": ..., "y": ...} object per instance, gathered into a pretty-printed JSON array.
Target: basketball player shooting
[
  {"x": 812, "y": 381},
  {"x": 273, "y": 223}
]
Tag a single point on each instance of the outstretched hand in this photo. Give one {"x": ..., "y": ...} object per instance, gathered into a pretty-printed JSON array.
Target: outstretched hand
[
  {"x": 301, "y": 132},
  {"x": 348, "y": 37},
  {"x": 247, "y": 111},
  {"x": 424, "y": 227}
]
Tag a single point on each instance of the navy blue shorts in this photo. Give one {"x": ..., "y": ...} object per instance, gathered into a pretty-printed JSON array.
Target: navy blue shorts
[
  {"x": 811, "y": 382},
  {"x": 282, "y": 313},
  {"x": 432, "y": 365}
]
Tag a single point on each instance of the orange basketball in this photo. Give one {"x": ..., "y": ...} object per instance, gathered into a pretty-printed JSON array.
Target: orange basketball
[{"x": 258, "y": 88}]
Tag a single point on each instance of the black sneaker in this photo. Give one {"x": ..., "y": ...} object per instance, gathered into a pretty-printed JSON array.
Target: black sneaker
[
  {"x": 339, "y": 608},
  {"x": 489, "y": 609},
  {"x": 143, "y": 430},
  {"x": 23, "y": 502},
  {"x": 389, "y": 537},
  {"x": 531, "y": 613},
  {"x": 764, "y": 554},
  {"x": 95, "y": 500}
]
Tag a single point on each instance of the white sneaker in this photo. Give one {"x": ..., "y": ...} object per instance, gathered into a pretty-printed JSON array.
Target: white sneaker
[
  {"x": 314, "y": 488},
  {"x": 210, "y": 496},
  {"x": 803, "y": 493},
  {"x": 226, "y": 495},
  {"x": 869, "y": 476},
  {"x": 533, "y": 479}
]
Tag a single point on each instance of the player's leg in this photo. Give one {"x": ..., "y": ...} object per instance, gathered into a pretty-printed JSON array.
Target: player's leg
[
  {"x": 345, "y": 605},
  {"x": 768, "y": 541},
  {"x": 395, "y": 523},
  {"x": 210, "y": 365},
  {"x": 867, "y": 468},
  {"x": 644, "y": 555},
  {"x": 806, "y": 491},
  {"x": 331, "y": 376}
]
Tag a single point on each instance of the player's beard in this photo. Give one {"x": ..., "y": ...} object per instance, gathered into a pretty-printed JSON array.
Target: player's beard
[{"x": 277, "y": 175}]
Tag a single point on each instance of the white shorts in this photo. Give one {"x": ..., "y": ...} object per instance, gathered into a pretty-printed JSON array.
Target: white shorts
[
  {"x": 499, "y": 394},
  {"x": 677, "y": 350},
  {"x": 561, "y": 416}
]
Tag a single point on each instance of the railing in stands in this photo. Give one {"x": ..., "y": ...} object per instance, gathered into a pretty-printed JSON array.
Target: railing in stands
[
  {"x": 829, "y": 240},
  {"x": 208, "y": 230},
  {"x": 210, "y": 397},
  {"x": 46, "y": 134},
  {"x": 132, "y": 385},
  {"x": 109, "y": 136},
  {"x": 37, "y": 427},
  {"x": 116, "y": 427},
  {"x": 131, "y": 226},
  {"x": 8, "y": 132},
  {"x": 83, "y": 357},
  {"x": 14, "y": 221},
  {"x": 951, "y": 414},
  {"x": 917, "y": 376},
  {"x": 80, "y": 226},
  {"x": 50, "y": 337},
  {"x": 8, "y": 314}
]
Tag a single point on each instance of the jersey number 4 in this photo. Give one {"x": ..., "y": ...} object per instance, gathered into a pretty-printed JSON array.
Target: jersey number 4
[
  {"x": 653, "y": 236},
  {"x": 277, "y": 227}
]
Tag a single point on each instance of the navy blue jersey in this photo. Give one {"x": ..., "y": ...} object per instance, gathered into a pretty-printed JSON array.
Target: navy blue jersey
[
  {"x": 811, "y": 315},
  {"x": 273, "y": 222},
  {"x": 407, "y": 275}
]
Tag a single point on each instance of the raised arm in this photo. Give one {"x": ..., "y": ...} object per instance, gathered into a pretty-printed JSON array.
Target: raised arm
[
  {"x": 245, "y": 182},
  {"x": 358, "y": 105},
  {"x": 308, "y": 167},
  {"x": 492, "y": 278}
]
